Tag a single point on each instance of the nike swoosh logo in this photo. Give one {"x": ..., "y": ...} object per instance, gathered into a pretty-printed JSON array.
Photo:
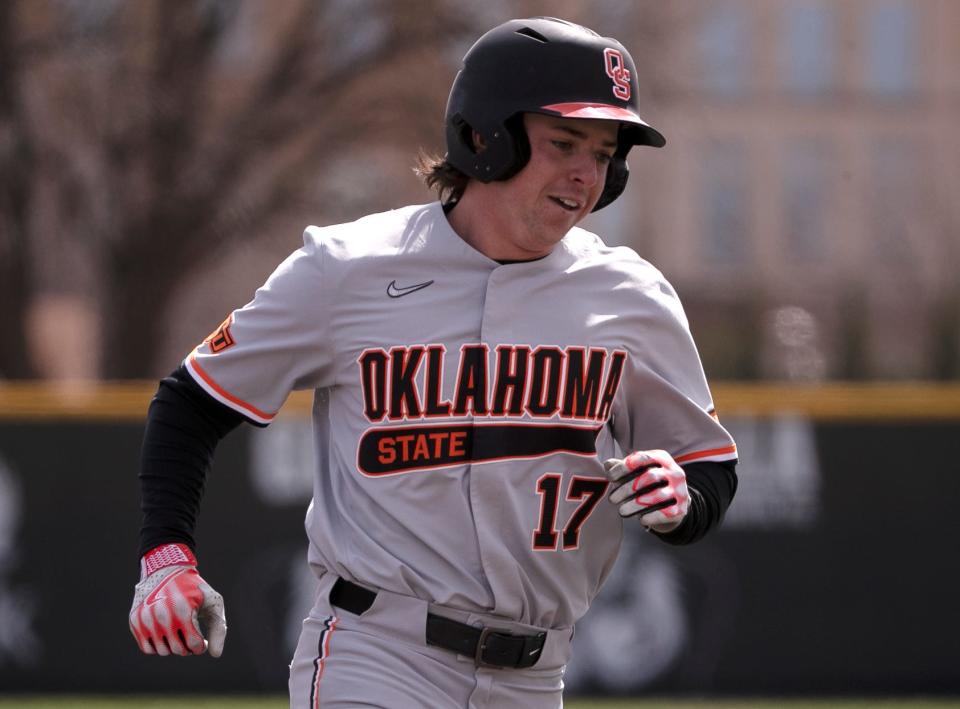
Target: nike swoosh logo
[
  {"x": 395, "y": 291},
  {"x": 162, "y": 591}
]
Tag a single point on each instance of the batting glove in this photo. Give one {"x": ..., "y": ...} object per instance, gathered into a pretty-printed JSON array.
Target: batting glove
[
  {"x": 649, "y": 484},
  {"x": 171, "y": 602}
]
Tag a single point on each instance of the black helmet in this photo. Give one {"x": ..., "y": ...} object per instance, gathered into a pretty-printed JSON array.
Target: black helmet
[{"x": 541, "y": 65}]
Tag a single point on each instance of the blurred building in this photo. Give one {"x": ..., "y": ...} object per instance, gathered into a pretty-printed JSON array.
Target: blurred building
[{"x": 806, "y": 203}]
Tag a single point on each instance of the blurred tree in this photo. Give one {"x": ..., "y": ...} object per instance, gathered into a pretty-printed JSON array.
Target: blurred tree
[
  {"x": 854, "y": 334},
  {"x": 946, "y": 337},
  {"x": 15, "y": 162},
  {"x": 138, "y": 140}
]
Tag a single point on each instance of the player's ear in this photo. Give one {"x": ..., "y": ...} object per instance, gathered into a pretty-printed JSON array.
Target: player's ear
[{"x": 479, "y": 144}]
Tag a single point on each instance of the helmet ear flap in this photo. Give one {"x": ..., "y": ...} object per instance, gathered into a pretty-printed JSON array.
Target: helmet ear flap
[
  {"x": 504, "y": 152},
  {"x": 520, "y": 144},
  {"x": 617, "y": 174}
]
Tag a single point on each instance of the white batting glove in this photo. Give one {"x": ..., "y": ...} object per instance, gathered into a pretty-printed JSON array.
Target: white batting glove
[
  {"x": 170, "y": 604},
  {"x": 649, "y": 484}
]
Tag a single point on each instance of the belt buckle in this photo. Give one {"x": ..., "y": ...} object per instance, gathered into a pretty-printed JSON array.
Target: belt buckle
[{"x": 481, "y": 646}]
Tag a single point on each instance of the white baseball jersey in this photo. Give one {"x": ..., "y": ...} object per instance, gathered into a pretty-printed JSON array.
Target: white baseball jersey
[{"x": 463, "y": 407}]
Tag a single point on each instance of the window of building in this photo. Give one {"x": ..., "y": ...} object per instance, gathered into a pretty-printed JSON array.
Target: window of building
[
  {"x": 807, "y": 193},
  {"x": 893, "y": 205},
  {"x": 808, "y": 48},
  {"x": 726, "y": 203},
  {"x": 723, "y": 45},
  {"x": 890, "y": 46}
]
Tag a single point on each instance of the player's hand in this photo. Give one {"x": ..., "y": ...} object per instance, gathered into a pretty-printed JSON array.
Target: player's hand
[
  {"x": 174, "y": 610},
  {"x": 649, "y": 484}
]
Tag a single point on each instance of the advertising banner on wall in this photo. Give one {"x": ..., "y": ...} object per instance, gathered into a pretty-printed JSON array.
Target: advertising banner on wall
[{"x": 835, "y": 571}]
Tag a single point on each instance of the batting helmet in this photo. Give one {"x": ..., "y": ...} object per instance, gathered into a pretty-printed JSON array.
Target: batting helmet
[{"x": 541, "y": 65}]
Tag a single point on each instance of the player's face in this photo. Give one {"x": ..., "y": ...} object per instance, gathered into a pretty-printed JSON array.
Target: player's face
[{"x": 561, "y": 183}]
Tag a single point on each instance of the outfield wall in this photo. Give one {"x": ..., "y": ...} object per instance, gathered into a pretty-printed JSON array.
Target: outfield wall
[{"x": 836, "y": 571}]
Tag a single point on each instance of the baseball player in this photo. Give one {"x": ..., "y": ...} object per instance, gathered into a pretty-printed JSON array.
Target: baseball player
[{"x": 499, "y": 396}]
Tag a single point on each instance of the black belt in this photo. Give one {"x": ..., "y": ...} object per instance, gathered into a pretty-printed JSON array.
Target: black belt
[{"x": 488, "y": 647}]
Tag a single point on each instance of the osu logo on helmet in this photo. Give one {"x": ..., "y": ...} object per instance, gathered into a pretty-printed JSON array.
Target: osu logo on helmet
[{"x": 618, "y": 72}]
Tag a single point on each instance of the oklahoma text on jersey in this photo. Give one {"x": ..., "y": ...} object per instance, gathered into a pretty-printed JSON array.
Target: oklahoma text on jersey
[{"x": 533, "y": 384}]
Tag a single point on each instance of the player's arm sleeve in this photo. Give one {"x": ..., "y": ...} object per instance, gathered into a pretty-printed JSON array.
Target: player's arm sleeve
[
  {"x": 283, "y": 340},
  {"x": 244, "y": 370},
  {"x": 712, "y": 486},
  {"x": 184, "y": 426},
  {"x": 665, "y": 403}
]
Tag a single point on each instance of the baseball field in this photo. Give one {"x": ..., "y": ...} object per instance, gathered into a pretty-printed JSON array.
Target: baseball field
[{"x": 173, "y": 702}]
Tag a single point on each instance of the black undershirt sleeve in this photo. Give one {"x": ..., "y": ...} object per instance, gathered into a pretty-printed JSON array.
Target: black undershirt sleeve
[
  {"x": 712, "y": 486},
  {"x": 184, "y": 426}
]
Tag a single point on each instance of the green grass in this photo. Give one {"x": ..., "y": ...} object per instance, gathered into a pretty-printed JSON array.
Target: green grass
[{"x": 199, "y": 702}]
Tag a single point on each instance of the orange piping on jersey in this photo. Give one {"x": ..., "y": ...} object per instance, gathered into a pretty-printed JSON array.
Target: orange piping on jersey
[
  {"x": 249, "y": 408},
  {"x": 696, "y": 455}
]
